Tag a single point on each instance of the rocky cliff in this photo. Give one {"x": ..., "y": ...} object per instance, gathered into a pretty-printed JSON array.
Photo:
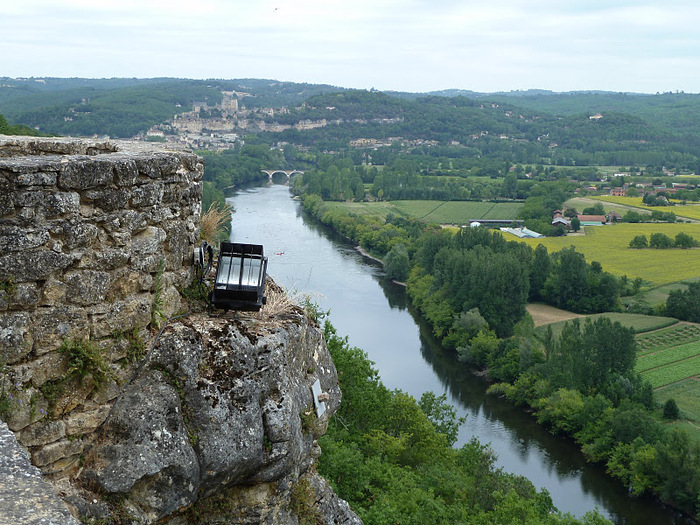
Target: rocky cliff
[{"x": 209, "y": 420}]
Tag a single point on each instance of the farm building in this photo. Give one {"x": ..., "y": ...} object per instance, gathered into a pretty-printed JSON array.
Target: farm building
[{"x": 522, "y": 233}]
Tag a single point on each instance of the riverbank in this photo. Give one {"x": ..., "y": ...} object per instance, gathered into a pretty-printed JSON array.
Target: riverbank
[{"x": 506, "y": 365}]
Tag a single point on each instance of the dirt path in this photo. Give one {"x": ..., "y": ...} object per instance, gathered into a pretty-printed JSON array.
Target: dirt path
[{"x": 544, "y": 314}]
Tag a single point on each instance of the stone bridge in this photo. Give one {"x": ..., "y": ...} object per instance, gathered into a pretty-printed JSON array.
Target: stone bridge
[{"x": 287, "y": 173}]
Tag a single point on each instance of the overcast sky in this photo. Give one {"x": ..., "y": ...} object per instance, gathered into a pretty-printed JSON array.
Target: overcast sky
[{"x": 407, "y": 45}]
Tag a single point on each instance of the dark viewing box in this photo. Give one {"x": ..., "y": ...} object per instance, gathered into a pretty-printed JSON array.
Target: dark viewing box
[{"x": 240, "y": 277}]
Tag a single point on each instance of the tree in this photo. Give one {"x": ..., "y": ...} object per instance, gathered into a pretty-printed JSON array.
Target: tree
[
  {"x": 639, "y": 242},
  {"x": 683, "y": 240},
  {"x": 541, "y": 267},
  {"x": 671, "y": 409},
  {"x": 660, "y": 241},
  {"x": 596, "y": 209},
  {"x": 685, "y": 304},
  {"x": 396, "y": 263},
  {"x": 575, "y": 224}
]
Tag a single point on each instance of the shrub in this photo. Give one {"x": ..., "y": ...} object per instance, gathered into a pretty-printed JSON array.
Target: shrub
[
  {"x": 85, "y": 359},
  {"x": 660, "y": 240},
  {"x": 671, "y": 409},
  {"x": 639, "y": 242}
]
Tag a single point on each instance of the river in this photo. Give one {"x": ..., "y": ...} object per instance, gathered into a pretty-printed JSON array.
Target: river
[{"x": 308, "y": 258}]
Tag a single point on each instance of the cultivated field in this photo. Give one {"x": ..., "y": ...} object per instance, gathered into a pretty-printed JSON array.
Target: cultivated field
[
  {"x": 637, "y": 322},
  {"x": 442, "y": 212},
  {"x": 609, "y": 246},
  {"x": 670, "y": 360},
  {"x": 691, "y": 211}
]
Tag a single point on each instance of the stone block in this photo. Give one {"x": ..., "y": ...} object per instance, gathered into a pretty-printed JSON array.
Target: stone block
[
  {"x": 149, "y": 241},
  {"x": 87, "y": 286},
  {"x": 42, "y": 433},
  {"x": 16, "y": 338},
  {"x": 38, "y": 178},
  {"x": 49, "y": 203},
  {"x": 7, "y": 204},
  {"x": 108, "y": 199},
  {"x": 54, "y": 293},
  {"x": 32, "y": 266},
  {"x": 124, "y": 282},
  {"x": 14, "y": 239},
  {"x": 78, "y": 234},
  {"x": 27, "y": 406},
  {"x": 82, "y": 174},
  {"x": 56, "y": 451},
  {"x": 54, "y": 324},
  {"x": 48, "y": 367},
  {"x": 134, "y": 312},
  {"x": 125, "y": 172},
  {"x": 147, "y": 195},
  {"x": 26, "y": 295},
  {"x": 85, "y": 422},
  {"x": 72, "y": 395}
]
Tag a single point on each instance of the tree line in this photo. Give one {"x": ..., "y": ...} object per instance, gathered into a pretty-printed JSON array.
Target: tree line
[{"x": 472, "y": 286}]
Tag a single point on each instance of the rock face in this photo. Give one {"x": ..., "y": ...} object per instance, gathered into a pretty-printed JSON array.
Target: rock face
[{"x": 221, "y": 411}]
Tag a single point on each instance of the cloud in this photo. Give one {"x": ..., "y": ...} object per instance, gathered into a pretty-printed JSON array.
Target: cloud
[{"x": 405, "y": 45}]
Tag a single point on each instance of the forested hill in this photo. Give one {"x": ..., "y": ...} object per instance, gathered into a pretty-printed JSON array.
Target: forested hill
[
  {"x": 483, "y": 128},
  {"x": 122, "y": 107},
  {"x": 530, "y": 126},
  {"x": 679, "y": 112}
]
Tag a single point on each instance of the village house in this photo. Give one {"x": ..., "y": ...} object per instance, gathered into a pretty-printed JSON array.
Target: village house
[{"x": 592, "y": 220}]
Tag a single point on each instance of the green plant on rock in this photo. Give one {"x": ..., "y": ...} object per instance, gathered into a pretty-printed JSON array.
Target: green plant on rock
[
  {"x": 85, "y": 360},
  {"x": 301, "y": 504},
  {"x": 5, "y": 406},
  {"x": 137, "y": 346},
  {"x": 8, "y": 286},
  {"x": 308, "y": 420}
]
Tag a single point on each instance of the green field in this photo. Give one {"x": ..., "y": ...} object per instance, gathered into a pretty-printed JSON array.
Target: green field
[
  {"x": 670, "y": 360},
  {"x": 637, "y": 322},
  {"x": 686, "y": 394},
  {"x": 442, "y": 212},
  {"x": 609, "y": 246},
  {"x": 651, "y": 360},
  {"x": 691, "y": 211},
  {"x": 672, "y": 372}
]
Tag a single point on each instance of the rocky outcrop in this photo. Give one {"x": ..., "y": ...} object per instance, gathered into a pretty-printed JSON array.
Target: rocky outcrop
[{"x": 219, "y": 421}]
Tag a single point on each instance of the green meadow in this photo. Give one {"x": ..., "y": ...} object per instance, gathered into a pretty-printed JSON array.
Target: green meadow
[
  {"x": 442, "y": 212},
  {"x": 609, "y": 245}
]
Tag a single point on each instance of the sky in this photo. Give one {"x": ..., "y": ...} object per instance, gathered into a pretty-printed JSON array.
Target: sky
[{"x": 409, "y": 45}]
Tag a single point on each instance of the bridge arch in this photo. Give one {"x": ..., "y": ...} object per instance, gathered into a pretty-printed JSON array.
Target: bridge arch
[{"x": 287, "y": 173}]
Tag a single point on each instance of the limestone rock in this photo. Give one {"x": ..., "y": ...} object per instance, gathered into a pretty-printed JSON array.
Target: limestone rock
[
  {"x": 217, "y": 404},
  {"x": 26, "y": 498}
]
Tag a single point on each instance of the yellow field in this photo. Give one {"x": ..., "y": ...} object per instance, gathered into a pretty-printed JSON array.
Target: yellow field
[
  {"x": 609, "y": 246},
  {"x": 692, "y": 211}
]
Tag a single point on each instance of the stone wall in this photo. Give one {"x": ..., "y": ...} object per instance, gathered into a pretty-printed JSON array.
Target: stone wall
[{"x": 96, "y": 237}]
